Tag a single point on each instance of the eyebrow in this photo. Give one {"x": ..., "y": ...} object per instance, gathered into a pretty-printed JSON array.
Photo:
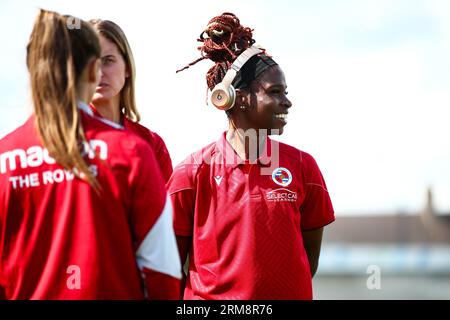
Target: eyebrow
[
  {"x": 278, "y": 85},
  {"x": 108, "y": 56}
]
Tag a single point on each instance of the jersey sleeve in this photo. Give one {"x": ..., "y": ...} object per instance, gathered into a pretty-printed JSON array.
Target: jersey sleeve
[
  {"x": 163, "y": 157},
  {"x": 159, "y": 148},
  {"x": 316, "y": 210},
  {"x": 2, "y": 212},
  {"x": 151, "y": 222},
  {"x": 182, "y": 192}
]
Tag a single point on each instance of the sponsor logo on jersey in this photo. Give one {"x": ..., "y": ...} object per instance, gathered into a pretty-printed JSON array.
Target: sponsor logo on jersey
[
  {"x": 35, "y": 156},
  {"x": 282, "y": 194},
  {"x": 282, "y": 176}
]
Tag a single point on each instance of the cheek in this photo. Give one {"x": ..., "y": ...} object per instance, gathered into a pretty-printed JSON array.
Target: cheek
[
  {"x": 267, "y": 107},
  {"x": 260, "y": 104},
  {"x": 105, "y": 71},
  {"x": 115, "y": 76},
  {"x": 120, "y": 74}
]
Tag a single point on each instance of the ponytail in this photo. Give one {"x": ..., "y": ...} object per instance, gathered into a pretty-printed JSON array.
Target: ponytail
[{"x": 56, "y": 57}]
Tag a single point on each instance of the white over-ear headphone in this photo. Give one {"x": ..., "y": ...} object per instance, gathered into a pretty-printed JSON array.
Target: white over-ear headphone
[{"x": 223, "y": 95}]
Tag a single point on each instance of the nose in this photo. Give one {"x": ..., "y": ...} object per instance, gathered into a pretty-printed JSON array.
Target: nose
[
  {"x": 286, "y": 103},
  {"x": 102, "y": 72}
]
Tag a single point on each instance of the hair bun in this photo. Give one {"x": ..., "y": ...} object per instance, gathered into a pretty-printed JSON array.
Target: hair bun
[
  {"x": 226, "y": 38},
  {"x": 223, "y": 40}
]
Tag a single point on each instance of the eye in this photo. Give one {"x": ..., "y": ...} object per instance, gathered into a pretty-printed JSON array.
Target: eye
[
  {"x": 275, "y": 91},
  {"x": 107, "y": 60},
  {"x": 278, "y": 91}
]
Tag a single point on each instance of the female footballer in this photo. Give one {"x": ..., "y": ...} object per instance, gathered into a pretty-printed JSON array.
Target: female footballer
[
  {"x": 114, "y": 98},
  {"x": 248, "y": 210},
  {"x": 83, "y": 208}
]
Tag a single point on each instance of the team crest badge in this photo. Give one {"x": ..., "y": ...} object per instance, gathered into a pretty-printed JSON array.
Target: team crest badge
[{"x": 282, "y": 176}]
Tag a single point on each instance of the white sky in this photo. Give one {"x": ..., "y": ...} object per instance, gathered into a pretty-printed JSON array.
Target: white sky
[{"x": 369, "y": 80}]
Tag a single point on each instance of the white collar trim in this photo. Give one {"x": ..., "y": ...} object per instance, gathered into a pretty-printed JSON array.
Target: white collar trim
[{"x": 83, "y": 106}]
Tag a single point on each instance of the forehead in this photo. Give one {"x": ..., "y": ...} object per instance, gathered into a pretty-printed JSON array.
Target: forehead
[
  {"x": 108, "y": 47},
  {"x": 271, "y": 77}
]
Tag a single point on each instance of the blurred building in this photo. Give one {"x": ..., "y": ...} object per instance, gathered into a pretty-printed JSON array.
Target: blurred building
[{"x": 407, "y": 253}]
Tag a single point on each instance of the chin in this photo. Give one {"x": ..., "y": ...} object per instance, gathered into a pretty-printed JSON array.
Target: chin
[{"x": 98, "y": 97}]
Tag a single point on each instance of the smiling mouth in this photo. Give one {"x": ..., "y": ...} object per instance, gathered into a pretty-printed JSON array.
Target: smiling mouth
[{"x": 282, "y": 116}]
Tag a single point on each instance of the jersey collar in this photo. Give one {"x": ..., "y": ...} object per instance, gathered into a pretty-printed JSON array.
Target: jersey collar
[
  {"x": 90, "y": 110},
  {"x": 83, "y": 106},
  {"x": 230, "y": 157}
]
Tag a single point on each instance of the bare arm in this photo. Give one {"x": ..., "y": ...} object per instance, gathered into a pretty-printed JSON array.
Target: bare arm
[
  {"x": 312, "y": 241},
  {"x": 184, "y": 246}
]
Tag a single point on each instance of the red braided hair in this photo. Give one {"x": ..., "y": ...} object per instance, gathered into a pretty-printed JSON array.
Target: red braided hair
[{"x": 223, "y": 40}]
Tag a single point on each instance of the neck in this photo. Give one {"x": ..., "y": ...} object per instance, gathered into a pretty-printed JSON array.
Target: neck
[
  {"x": 248, "y": 144},
  {"x": 83, "y": 94},
  {"x": 109, "y": 109}
]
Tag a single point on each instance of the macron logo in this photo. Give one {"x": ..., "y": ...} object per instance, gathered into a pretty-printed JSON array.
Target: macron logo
[
  {"x": 35, "y": 156},
  {"x": 218, "y": 179}
]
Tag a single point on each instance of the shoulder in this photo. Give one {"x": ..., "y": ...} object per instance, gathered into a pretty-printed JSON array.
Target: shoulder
[
  {"x": 197, "y": 159},
  {"x": 201, "y": 157},
  {"x": 185, "y": 173},
  {"x": 295, "y": 154},
  {"x": 23, "y": 135},
  {"x": 151, "y": 137},
  {"x": 289, "y": 152},
  {"x": 119, "y": 141},
  {"x": 136, "y": 128}
]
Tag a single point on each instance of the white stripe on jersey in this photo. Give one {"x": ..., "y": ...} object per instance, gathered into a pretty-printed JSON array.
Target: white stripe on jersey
[
  {"x": 159, "y": 251},
  {"x": 83, "y": 106}
]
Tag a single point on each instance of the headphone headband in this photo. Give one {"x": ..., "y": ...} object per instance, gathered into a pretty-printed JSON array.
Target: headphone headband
[
  {"x": 244, "y": 57},
  {"x": 223, "y": 95},
  {"x": 239, "y": 63}
]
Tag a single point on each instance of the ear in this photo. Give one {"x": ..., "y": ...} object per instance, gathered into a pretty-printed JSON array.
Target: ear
[
  {"x": 94, "y": 70},
  {"x": 127, "y": 73},
  {"x": 242, "y": 98}
]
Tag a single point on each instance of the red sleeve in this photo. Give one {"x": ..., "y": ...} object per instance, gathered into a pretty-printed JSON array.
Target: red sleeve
[
  {"x": 316, "y": 209},
  {"x": 168, "y": 287},
  {"x": 2, "y": 289},
  {"x": 148, "y": 190},
  {"x": 151, "y": 220},
  {"x": 181, "y": 191},
  {"x": 163, "y": 157},
  {"x": 161, "y": 153}
]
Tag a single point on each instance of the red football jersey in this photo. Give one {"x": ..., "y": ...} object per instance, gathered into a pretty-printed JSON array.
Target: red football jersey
[
  {"x": 246, "y": 221},
  {"x": 156, "y": 142},
  {"x": 59, "y": 239}
]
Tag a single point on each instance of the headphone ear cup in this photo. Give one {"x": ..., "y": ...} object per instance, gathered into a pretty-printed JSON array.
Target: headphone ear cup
[
  {"x": 223, "y": 95},
  {"x": 223, "y": 98},
  {"x": 232, "y": 94}
]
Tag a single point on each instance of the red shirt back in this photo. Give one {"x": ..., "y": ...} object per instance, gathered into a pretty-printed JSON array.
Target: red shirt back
[{"x": 59, "y": 239}]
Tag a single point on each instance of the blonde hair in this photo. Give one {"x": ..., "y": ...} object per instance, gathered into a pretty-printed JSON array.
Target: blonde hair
[
  {"x": 114, "y": 33},
  {"x": 57, "y": 54}
]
